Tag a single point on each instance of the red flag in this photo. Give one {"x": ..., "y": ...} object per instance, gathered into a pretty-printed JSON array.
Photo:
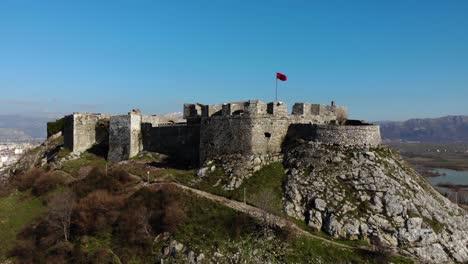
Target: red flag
[{"x": 281, "y": 77}]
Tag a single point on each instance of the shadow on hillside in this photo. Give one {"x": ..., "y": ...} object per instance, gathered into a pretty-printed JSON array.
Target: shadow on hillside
[
  {"x": 100, "y": 150},
  {"x": 169, "y": 162}
]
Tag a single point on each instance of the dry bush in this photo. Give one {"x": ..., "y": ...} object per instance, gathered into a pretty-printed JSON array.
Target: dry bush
[
  {"x": 97, "y": 179},
  {"x": 5, "y": 189},
  {"x": 341, "y": 115},
  {"x": 288, "y": 233},
  {"x": 26, "y": 180},
  {"x": 47, "y": 182},
  {"x": 59, "y": 253},
  {"x": 134, "y": 226},
  {"x": 169, "y": 210},
  {"x": 22, "y": 250},
  {"x": 96, "y": 212},
  {"x": 60, "y": 212},
  {"x": 121, "y": 175}
]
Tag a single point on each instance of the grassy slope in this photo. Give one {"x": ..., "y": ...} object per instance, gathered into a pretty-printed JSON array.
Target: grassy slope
[
  {"x": 209, "y": 228},
  {"x": 16, "y": 211},
  {"x": 208, "y": 224}
]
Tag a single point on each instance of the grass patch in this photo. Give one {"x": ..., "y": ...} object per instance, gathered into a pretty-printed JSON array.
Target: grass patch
[
  {"x": 213, "y": 222},
  {"x": 315, "y": 251},
  {"x": 63, "y": 152},
  {"x": 86, "y": 159},
  {"x": 268, "y": 180},
  {"x": 434, "y": 224},
  {"x": 16, "y": 211},
  {"x": 177, "y": 175}
]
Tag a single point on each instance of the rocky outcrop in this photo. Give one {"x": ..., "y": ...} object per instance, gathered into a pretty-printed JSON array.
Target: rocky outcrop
[
  {"x": 369, "y": 193},
  {"x": 237, "y": 167}
]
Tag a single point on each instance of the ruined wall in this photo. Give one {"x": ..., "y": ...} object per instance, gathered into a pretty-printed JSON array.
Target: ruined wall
[
  {"x": 314, "y": 113},
  {"x": 152, "y": 119},
  {"x": 268, "y": 134},
  {"x": 247, "y": 128},
  {"x": 348, "y": 135},
  {"x": 225, "y": 136},
  {"x": 68, "y": 127},
  {"x": 192, "y": 113},
  {"x": 124, "y": 137},
  {"x": 180, "y": 142},
  {"x": 81, "y": 131}
]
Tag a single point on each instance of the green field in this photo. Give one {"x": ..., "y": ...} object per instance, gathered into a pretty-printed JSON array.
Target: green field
[
  {"x": 425, "y": 156},
  {"x": 16, "y": 211}
]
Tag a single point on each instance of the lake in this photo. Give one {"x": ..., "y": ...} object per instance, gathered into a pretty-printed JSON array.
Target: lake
[{"x": 450, "y": 176}]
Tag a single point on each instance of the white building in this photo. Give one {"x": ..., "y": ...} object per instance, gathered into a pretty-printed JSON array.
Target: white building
[{"x": 18, "y": 151}]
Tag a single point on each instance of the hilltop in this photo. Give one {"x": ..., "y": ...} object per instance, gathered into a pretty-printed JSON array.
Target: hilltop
[
  {"x": 116, "y": 216},
  {"x": 242, "y": 182}
]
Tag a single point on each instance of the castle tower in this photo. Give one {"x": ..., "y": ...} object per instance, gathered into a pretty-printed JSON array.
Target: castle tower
[{"x": 124, "y": 136}]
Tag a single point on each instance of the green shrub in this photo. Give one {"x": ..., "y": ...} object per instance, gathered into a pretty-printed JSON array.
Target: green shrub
[{"x": 55, "y": 127}]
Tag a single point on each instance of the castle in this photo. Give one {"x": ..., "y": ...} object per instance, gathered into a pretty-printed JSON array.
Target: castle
[{"x": 208, "y": 132}]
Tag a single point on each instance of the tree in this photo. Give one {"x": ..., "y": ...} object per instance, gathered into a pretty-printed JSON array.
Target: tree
[
  {"x": 60, "y": 211},
  {"x": 341, "y": 115}
]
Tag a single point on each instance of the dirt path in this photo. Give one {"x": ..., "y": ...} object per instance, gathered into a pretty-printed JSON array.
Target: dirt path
[{"x": 257, "y": 213}]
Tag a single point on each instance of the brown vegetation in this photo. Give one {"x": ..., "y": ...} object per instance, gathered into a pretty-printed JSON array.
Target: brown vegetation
[
  {"x": 60, "y": 212},
  {"x": 341, "y": 115},
  {"x": 97, "y": 211},
  {"x": 112, "y": 181}
]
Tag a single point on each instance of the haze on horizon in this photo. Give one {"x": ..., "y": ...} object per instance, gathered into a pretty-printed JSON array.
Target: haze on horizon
[{"x": 384, "y": 61}]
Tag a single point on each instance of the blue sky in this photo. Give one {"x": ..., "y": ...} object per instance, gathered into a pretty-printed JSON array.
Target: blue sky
[{"x": 384, "y": 60}]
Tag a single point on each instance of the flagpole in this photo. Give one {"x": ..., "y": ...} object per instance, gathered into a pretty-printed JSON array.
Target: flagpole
[{"x": 276, "y": 88}]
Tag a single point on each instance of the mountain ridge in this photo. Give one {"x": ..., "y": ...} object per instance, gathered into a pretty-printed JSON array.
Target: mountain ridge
[{"x": 451, "y": 128}]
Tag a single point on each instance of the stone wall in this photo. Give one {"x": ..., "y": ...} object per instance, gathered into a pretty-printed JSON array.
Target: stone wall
[
  {"x": 124, "y": 137},
  {"x": 68, "y": 134},
  {"x": 225, "y": 136},
  {"x": 180, "y": 142},
  {"x": 348, "y": 135},
  {"x": 246, "y": 128},
  {"x": 81, "y": 131},
  {"x": 314, "y": 113},
  {"x": 254, "y": 127},
  {"x": 268, "y": 134}
]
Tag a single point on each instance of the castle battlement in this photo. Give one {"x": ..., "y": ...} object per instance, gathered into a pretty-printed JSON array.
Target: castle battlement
[{"x": 209, "y": 131}]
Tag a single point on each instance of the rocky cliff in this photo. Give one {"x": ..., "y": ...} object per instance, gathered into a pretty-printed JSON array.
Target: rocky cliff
[{"x": 370, "y": 193}]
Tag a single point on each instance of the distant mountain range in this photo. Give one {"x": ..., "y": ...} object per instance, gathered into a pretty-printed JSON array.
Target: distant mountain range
[
  {"x": 19, "y": 127},
  {"x": 443, "y": 129}
]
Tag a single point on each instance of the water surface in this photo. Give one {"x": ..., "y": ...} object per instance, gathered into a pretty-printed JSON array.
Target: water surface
[{"x": 449, "y": 176}]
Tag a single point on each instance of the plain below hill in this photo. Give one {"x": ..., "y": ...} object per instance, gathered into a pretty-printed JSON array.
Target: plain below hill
[{"x": 442, "y": 129}]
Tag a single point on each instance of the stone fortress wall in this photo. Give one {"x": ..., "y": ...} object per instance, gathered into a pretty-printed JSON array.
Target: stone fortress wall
[
  {"x": 348, "y": 135},
  {"x": 83, "y": 130},
  {"x": 252, "y": 129}
]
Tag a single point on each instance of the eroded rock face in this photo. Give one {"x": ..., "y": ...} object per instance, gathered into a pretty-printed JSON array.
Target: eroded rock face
[
  {"x": 237, "y": 167},
  {"x": 369, "y": 193}
]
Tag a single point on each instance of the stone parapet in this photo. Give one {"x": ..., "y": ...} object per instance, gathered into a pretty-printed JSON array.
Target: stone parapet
[{"x": 348, "y": 135}]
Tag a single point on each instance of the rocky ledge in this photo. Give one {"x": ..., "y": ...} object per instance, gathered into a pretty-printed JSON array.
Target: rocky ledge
[{"x": 370, "y": 193}]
